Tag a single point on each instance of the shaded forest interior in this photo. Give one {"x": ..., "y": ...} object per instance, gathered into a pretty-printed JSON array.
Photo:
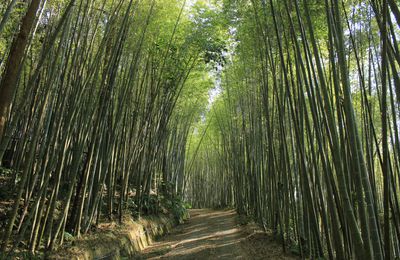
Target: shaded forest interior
[{"x": 287, "y": 111}]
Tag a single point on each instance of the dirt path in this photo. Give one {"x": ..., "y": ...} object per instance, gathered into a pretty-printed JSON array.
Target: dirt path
[{"x": 211, "y": 234}]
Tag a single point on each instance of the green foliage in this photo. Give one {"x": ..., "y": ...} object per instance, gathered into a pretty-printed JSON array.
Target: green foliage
[
  {"x": 132, "y": 207},
  {"x": 68, "y": 237},
  {"x": 120, "y": 101},
  {"x": 5, "y": 171},
  {"x": 151, "y": 204},
  {"x": 177, "y": 207},
  {"x": 174, "y": 203},
  {"x": 208, "y": 32},
  {"x": 11, "y": 25},
  {"x": 289, "y": 129},
  {"x": 6, "y": 183}
]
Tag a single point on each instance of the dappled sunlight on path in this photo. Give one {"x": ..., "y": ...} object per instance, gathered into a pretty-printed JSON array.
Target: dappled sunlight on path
[{"x": 208, "y": 234}]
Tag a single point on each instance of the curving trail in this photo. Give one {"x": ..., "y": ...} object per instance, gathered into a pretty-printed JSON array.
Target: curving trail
[{"x": 213, "y": 234}]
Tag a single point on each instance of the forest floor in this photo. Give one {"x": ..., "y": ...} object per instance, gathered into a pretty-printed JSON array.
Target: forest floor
[{"x": 215, "y": 234}]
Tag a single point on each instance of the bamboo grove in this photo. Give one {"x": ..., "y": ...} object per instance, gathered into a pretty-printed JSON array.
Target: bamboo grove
[
  {"x": 304, "y": 136},
  {"x": 105, "y": 108},
  {"x": 95, "y": 111}
]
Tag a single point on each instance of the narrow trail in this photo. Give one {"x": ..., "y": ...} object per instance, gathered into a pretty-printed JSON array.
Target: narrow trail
[{"x": 211, "y": 234}]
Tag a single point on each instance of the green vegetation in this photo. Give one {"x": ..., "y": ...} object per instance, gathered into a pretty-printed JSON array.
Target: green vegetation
[
  {"x": 287, "y": 110},
  {"x": 304, "y": 136},
  {"x": 100, "y": 111}
]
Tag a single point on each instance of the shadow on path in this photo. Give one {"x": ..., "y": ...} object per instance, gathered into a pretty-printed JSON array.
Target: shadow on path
[
  {"x": 211, "y": 234},
  {"x": 208, "y": 234}
]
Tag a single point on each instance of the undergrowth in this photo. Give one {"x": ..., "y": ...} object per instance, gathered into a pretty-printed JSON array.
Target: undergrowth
[{"x": 165, "y": 202}]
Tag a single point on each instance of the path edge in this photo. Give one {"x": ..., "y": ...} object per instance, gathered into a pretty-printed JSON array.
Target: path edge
[{"x": 122, "y": 241}]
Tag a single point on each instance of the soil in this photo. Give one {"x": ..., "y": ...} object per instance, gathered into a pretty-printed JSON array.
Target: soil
[{"x": 215, "y": 234}]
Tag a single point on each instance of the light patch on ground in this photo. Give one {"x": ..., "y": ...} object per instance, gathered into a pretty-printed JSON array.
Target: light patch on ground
[{"x": 211, "y": 234}]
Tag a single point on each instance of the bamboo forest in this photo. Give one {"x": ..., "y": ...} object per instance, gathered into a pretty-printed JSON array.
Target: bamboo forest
[{"x": 283, "y": 112}]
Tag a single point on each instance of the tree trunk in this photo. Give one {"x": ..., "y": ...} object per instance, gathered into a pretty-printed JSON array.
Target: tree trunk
[{"x": 9, "y": 79}]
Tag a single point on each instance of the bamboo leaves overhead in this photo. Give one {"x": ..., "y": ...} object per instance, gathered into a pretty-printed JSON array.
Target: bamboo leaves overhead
[
  {"x": 90, "y": 127},
  {"x": 307, "y": 126},
  {"x": 106, "y": 107}
]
